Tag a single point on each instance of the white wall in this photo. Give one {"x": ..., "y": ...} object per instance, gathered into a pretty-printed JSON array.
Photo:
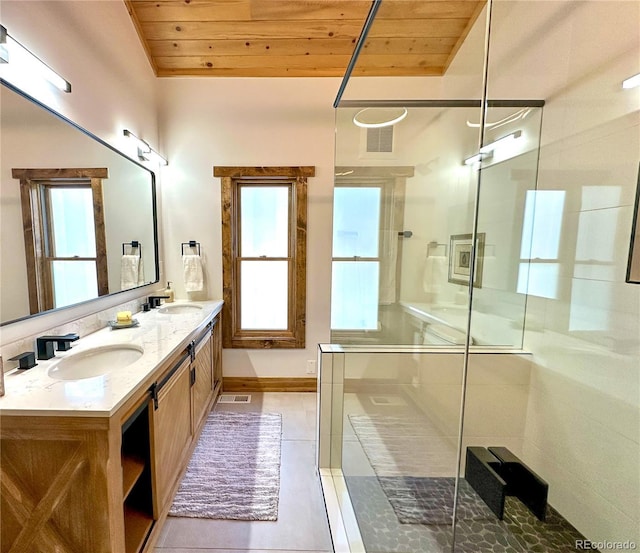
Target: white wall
[
  {"x": 94, "y": 46},
  {"x": 248, "y": 122}
]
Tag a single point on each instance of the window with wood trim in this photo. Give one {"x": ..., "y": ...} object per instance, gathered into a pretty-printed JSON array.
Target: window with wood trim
[
  {"x": 66, "y": 255},
  {"x": 264, "y": 243},
  {"x": 368, "y": 225}
]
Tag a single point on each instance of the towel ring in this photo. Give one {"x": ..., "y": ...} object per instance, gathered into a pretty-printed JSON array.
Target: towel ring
[
  {"x": 190, "y": 244},
  {"x": 133, "y": 244}
]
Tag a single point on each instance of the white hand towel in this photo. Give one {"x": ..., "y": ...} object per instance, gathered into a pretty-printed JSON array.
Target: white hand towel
[
  {"x": 193, "y": 274},
  {"x": 129, "y": 271},
  {"x": 435, "y": 274},
  {"x": 140, "y": 272}
]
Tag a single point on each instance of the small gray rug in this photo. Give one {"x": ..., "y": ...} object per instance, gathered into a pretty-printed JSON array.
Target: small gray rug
[
  {"x": 409, "y": 457},
  {"x": 426, "y": 500},
  {"x": 404, "y": 445},
  {"x": 235, "y": 469}
]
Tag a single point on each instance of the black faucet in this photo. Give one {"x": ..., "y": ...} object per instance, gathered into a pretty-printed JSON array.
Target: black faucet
[
  {"x": 44, "y": 344},
  {"x": 154, "y": 301}
]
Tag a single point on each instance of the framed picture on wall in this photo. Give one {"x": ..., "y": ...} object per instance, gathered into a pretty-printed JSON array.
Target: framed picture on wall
[
  {"x": 633, "y": 266},
  {"x": 460, "y": 259}
]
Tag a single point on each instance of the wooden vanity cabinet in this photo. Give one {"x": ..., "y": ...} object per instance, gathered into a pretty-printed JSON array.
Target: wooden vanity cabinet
[
  {"x": 78, "y": 484},
  {"x": 61, "y": 491}
]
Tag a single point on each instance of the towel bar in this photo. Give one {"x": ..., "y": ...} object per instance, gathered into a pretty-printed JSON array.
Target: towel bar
[
  {"x": 190, "y": 244},
  {"x": 434, "y": 245},
  {"x": 133, "y": 244}
]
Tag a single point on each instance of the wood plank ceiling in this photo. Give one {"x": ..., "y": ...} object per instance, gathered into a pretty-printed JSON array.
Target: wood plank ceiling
[{"x": 300, "y": 38}]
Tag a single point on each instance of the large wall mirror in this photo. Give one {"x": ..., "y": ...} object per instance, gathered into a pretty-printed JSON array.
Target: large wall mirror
[{"x": 77, "y": 217}]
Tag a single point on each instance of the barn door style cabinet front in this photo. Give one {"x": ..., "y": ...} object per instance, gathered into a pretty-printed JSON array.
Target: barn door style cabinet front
[{"x": 104, "y": 484}]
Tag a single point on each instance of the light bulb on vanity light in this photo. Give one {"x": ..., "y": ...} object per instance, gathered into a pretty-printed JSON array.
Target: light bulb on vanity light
[
  {"x": 482, "y": 156},
  {"x": 145, "y": 152},
  {"x": 18, "y": 65},
  {"x": 487, "y": 151},
  {"x": 631, "y": 82},
  {"x": 502, "y": 141}
]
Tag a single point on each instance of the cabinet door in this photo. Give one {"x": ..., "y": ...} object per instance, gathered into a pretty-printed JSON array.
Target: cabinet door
[
  {"x": 171, "y": 432},
  {"x": 202, "y": 379}
]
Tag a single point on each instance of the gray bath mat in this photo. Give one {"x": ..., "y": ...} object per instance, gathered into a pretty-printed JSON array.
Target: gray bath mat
[
  {"x": 412, "y": 462},
  {"x": 430, "y": 500},
  {"x": 404, "y": 445},
  {"x": 235, "y": 469}
]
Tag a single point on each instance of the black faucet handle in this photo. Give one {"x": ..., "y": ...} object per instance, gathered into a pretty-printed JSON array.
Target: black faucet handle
[
  {"x": 64, "y": 342},
  {"x": 72, "y": 337},
  {"x": 26, "y": 360}
]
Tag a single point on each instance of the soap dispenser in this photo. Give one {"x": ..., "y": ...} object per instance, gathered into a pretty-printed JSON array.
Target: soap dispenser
[{"x": 169, "y": 292}]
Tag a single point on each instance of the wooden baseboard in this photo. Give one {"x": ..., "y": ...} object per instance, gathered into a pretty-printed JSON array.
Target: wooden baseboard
[{"x": 258, "y": 384}]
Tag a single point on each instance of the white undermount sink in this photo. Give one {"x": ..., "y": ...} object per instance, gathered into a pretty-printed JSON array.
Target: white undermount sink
[
  {"x": 95, "y": 361},
  {"x": 178, "y": 309}
]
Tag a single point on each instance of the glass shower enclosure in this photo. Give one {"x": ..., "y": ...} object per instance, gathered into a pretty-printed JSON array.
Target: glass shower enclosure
[{"x": 483, "y": 336}]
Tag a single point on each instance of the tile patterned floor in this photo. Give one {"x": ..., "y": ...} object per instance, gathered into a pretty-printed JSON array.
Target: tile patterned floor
[
  {"x": 302, "y": 523},
  {"x": 392, "y": 510},
  {"x": 476, "y": 532}
]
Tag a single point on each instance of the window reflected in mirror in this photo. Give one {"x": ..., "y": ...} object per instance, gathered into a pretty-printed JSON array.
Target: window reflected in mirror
[{"x": 86, "y": 202}]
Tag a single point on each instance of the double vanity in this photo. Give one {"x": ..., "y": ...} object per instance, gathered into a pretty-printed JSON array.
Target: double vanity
[{"x": 94, "y": 441}]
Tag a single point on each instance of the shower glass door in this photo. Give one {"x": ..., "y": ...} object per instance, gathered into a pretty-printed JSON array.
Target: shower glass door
[{"x": 490, "y": 402}]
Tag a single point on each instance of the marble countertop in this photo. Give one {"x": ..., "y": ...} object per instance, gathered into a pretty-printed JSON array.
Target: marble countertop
[{"x": 34, "y": 392}]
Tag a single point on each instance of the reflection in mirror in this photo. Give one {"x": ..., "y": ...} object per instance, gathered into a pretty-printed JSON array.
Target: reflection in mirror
[
  {"x": 70, "y": 209},
  {"x": 403, "y": 222}
]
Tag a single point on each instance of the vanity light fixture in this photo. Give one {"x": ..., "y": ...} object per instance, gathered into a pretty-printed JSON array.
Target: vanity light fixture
[
  {"x": 357, "y": 118},
  {"x": 478, "y": 158},
  {"x": 486, "y": 152},
  {"x": 631, "y": 82},
  {"x": 145, "y": 152},
  {"x": 502, "y": 141},
  {"x": 4, "y": 52},
  {"x": 23, "y": 63}
]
